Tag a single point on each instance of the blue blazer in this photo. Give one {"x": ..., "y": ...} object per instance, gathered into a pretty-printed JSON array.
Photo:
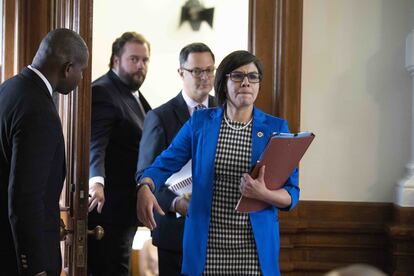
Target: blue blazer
[
  {"x": 160, "y": 127},
  {"x": 198, "y": 140}
]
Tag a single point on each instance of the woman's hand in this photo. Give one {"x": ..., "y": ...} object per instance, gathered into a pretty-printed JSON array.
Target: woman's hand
[{"x": 254, "y": 188}]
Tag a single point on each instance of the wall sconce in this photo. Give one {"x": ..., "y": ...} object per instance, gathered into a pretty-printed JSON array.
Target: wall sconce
[{"x": 195, "y": 13}]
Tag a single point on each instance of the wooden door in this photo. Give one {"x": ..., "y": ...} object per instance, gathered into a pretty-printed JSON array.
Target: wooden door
[{"x": 75, "y": 114}]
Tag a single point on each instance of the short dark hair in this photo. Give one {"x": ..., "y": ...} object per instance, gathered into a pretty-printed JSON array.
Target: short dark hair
[
  {"x": 119, "y": 43},
  {"x": 231, "y": 62},
  {"x": 196, "y": 47},
  {"x": 60, "y": 46}
]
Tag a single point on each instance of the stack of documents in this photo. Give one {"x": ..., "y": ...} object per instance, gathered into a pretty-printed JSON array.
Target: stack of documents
[{"x": 181, "y": 182}]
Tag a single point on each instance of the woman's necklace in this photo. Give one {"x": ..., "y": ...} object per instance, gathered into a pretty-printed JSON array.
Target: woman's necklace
[{"x": 237, "y": 128}]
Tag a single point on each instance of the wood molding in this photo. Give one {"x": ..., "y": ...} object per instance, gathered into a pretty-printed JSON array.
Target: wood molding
[
  {"x": 288, "y": 61},
  {"x": 261, "y": 43},
  {"x": 275, "y": 36},
  {"x": 401, "y": 237},
  {"x": 25, "y": 24},
  {"x": 75, "y": 111},
  {"x": 9, "y": 39},
  {"x": 318, "y": 236}
]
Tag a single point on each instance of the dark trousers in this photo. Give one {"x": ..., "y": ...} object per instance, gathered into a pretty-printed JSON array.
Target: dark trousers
[
  {"x": 169, "y": 262},
  {"x": 110, "y": 256}
]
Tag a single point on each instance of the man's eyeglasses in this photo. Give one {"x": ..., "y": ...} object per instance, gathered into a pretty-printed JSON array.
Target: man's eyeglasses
[
  {"x": 253, "y": 77},
  {"x": 197, "y": 72}
]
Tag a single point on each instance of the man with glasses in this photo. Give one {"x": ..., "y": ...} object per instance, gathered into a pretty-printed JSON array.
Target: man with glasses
[
  {"x": 118, "y": 111},
  {"x": 160, "y": 126}
]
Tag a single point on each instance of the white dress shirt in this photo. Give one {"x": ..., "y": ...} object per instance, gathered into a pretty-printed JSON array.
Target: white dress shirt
[{"x": 44, "y": 79}]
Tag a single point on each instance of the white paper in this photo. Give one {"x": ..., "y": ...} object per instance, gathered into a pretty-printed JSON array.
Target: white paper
[{"x": 181, "y": 182}]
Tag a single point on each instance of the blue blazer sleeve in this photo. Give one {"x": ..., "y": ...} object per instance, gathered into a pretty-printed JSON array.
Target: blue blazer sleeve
[
  {"x": 152, "y": 143},
  {"x": 173, "y": 158}
]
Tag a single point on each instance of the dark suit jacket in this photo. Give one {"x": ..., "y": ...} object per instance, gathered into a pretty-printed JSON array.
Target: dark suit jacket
[
  {"x": 115, "y": 136},
  {"x": 160, "y": 127},
  {"x": 32, "y": 171}
]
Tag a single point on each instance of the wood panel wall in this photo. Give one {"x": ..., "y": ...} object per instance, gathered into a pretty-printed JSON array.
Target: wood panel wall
[
  {"x": 25, "y": 24},
  {"x": 275, "y": 36},
  {"x": 319, "y": 236},
  {"x": 401, "y": 241}
]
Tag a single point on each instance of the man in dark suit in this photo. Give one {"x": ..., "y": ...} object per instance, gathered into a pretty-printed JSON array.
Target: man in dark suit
[
  {"x": 32, "y": 155},
  {"x": 160, "y": 127},
  {"x": 118, "y": 111}
]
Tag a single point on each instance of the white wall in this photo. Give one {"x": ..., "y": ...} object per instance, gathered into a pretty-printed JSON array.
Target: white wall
[
  {"x": 356, "y": 97},
  {"x": 158, "y": 20}
]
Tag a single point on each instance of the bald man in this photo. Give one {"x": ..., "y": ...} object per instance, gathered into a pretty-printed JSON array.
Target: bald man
[{"x": 32, "y": 155}]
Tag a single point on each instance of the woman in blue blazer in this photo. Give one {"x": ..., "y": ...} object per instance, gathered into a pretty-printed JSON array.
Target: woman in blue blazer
[{"x": 224, "y": 143}]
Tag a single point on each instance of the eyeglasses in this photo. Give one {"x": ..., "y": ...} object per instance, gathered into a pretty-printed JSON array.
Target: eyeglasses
[
  {"x": 253, "y": 77},
  {"x": 197, "y": 72}
]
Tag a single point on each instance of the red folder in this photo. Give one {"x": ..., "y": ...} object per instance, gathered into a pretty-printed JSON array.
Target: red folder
[{"x": 281, "y": 156}]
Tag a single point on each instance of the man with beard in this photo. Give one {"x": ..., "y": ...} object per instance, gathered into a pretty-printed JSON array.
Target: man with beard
[
  {"x": 118, "y": 111},
  {"x": 160, "y": 127}
]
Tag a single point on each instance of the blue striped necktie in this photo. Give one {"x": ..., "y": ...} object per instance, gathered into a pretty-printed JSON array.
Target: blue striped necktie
[{"x": 199, "y": 106}]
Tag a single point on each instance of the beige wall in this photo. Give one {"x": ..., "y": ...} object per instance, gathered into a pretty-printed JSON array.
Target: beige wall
[
  {"x": 159, "y": 21},
  {"x": 356, "y": 97}
]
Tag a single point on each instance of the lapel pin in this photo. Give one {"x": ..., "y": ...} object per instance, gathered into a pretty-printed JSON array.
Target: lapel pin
[{"x": 260, "y": 134}]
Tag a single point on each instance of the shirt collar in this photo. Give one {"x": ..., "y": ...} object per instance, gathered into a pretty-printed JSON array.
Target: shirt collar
[
  {"x": 191, "y": 103},
  {"x": 44, "y": 79}
]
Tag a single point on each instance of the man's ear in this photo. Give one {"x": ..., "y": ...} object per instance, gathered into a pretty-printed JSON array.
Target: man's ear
[
  {"x": 180, "y": 72},
  {"x": 67, "y": 68},
  {"x": 115, "y": 64}
]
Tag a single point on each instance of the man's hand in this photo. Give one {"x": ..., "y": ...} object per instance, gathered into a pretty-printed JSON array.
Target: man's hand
[
  {"x": 146, "y": 202},
  {"x": 181, "y": 205},
  {"x": 254, "y": 188},
  {"x": 96, "y": 197}
]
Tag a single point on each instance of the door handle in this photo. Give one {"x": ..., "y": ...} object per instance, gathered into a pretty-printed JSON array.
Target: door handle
[{"x": 97, "y": 233}]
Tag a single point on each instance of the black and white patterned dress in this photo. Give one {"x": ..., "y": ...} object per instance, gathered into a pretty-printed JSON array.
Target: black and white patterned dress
[{"x": 231, "y": 249}]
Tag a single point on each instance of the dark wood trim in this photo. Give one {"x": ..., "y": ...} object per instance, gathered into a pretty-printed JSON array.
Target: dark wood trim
[
  {"x": 318, "y": 236},
  {"x": 33, "y": 14},
  {"x": 9, "y": 39},
  {"x": 275, "y": 36},
  {"x": 25, "y": 24},
  {"x": 401, "y": 237},
  {"x": 75, "y": 110},
  {"x": 82, "y": 23},
  {"x": 288, "y": 63},
  {"x": 261, "y": 42}
]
